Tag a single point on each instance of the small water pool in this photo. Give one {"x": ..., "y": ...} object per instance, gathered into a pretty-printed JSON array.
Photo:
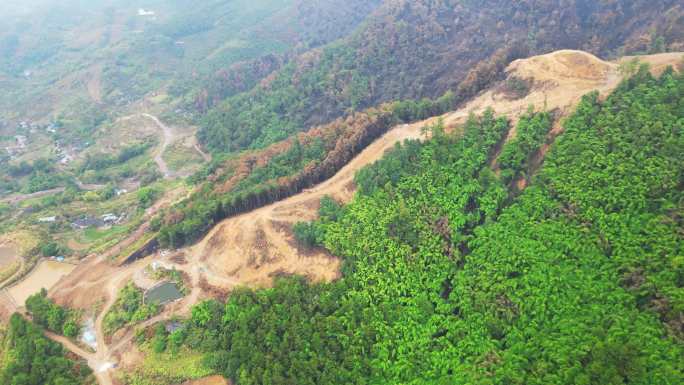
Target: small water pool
[{"x": 163, "y": 293}]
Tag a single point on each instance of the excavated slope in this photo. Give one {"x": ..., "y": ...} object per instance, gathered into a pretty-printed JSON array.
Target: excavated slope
[{"x": 253, "y": 247}]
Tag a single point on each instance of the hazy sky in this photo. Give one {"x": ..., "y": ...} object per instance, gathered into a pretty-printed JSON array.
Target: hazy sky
[{"x": 22, "y": 7}]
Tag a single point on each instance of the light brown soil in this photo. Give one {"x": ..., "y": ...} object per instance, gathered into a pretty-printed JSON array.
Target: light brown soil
[
  {"x": 560, "y": 80},
  {"x": 76, "y": 245},
  {"x": 213, "y": 380},
  {"x": 659, "y": 62}
]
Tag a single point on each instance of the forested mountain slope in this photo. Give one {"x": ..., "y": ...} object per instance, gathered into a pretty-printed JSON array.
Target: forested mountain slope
[
  {"x": 414, "y": 49},
  {"x": 453, "y": 275},
  {"x": 259, "y": 177}
]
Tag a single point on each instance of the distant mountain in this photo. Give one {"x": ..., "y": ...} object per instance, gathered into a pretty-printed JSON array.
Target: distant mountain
[
  {"x": 415, "y": 49},
  {"x": 57, "y": 51}
]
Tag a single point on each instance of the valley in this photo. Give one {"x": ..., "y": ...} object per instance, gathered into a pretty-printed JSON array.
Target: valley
[{"x": 282, "y": 191}]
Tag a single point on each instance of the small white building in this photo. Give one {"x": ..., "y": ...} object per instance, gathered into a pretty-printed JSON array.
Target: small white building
[
  {"x": 145, "y": 12},
  {"x": 110, "y": 218},
  {"x": 47, "y": 219}
]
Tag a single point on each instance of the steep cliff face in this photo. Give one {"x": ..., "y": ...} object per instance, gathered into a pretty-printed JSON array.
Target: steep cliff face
[{"x": 414, "y": 49}]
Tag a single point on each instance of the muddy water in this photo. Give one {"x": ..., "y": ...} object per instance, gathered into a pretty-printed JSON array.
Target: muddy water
[
  {"x": 45, "y": 275},
  {"x": 164, "y": 293},
  {"x": 7, "y": 256}
]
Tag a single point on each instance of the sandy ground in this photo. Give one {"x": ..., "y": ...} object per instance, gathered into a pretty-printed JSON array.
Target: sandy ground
[{"x": 252, "y": 248}]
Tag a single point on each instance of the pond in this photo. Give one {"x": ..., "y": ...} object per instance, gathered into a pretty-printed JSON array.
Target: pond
[
  {"x": 45, "y": 275},
  {"x": 163, "y": 293}
]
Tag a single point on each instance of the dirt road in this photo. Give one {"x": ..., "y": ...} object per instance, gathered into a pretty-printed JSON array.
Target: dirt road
[
  {"x": 18, "y": 198},
  {"x": 100, "y": 368},
  {"x": 168, "y": 138}
]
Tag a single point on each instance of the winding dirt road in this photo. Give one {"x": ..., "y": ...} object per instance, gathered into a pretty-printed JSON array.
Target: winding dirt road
[{"x": 168, "y": 138}]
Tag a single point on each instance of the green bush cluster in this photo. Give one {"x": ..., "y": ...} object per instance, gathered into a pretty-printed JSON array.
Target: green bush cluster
[
  {"x": 311, "y": 234},
  {"x": 129, "y": 308},
  {"x": 514, "y": 160},
  {"x": 53, "y": 317},
  {"x": 99, "y": 162}
]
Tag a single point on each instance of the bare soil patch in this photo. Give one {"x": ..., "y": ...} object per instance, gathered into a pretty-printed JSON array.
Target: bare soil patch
[
  {"x": 213, "y": 380},
  {"x": 7, "y": 256}
]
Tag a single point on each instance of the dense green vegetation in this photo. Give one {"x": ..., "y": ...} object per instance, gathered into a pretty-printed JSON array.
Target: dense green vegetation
[
  {"x": 128, "y": 309},
  {"x": 32, "y": 177},
  {"x": 310, "y": 234},
  {"x": 29, "y": 358},
  {"x": 449, "y": 277},
  {"x": 515, "y": 158},
  {"x": 53, "y": 317},
  {"x": 102, "y": 161}
]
